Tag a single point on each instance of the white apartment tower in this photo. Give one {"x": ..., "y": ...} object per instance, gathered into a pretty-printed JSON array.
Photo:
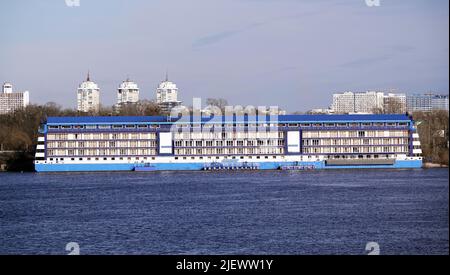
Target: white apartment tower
[
  {"x": 128, "y": 92},
  {"x": 167, "y": 95},
  {"x": 7, "y": 88},
  {"x": 88, "y": 96},
  {"x": 344, "y": 103},
  {"x": 10, "y": 101},
  {"x": 368, "y": 102}
]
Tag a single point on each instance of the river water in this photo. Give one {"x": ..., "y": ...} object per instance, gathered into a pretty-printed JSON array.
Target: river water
[{"x": 227, "y": 212}]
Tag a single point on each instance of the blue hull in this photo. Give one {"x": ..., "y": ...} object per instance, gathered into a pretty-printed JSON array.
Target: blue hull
[
  {"x": 200, "y": 166},
  {"x": 144, "y": 168}
]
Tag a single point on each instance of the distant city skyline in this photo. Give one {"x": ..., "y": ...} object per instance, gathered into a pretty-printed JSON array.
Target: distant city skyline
[{"x": 293, "y": 54}]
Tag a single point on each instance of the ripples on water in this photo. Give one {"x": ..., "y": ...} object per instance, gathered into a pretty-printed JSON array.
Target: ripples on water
[{"x": 248, "y": 212}]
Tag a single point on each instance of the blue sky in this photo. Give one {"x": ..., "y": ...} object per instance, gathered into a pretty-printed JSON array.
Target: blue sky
[{"x": 289, "y": 53}]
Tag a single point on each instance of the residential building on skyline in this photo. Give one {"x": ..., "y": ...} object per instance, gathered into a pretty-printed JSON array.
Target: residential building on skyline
[
  {"x": 167, "y": 95},
  {"x": 127, "y": 93},
  {"x": 88, "y": 96},
  {"x": 427, "y": 102},
  {"x": 368, "y": 102},
  {"x": 11, "y": 101},
  {"x": 343, "y": 102}
]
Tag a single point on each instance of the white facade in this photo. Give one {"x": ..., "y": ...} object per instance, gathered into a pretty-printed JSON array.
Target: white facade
[
  {"x": 344, "y": 103},
  {"x": 293, "y": 140},
  {"x": 323, "y": 111},
  {"x": 439, "y": 102},
  {"x": 167, "y": 95},
  {"x": 88, "y": 96},
  {"x": 10, "y": 101},
  {"x": 7, "y": 88},
  {"x": 166, "y": 92},
  {"x": 367, "y": 102},
  {"x": 128, "y": 92},
  {"x": 427, "y": 102}
]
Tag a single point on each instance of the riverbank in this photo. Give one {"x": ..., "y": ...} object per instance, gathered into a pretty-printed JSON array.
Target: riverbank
[
  {"x": 16, "y": 161},
  {"x": 434, "y": 165},
  {"x": 25, "y": 164}
]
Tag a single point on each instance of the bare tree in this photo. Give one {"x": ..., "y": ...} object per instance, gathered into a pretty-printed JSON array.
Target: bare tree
[
  {"x": 393, "y": 106},
  {"x": 377, "y": 110},
  {"x": 434, "y": 137},
  {"x": 218, "y": 102}
]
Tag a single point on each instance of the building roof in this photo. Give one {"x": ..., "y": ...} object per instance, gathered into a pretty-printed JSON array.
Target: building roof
[
  {"x": 106, "y": 119},
  {"x": 167, "y": 85},
  {"x": 128, "y": 84},
  {"x": 281, "y": 119}
]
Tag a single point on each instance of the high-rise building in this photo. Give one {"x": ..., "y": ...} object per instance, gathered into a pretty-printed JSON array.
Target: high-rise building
[
  {"x": 343, "y": 103},
  {"x": 7, "y": 88},
  {"x": 368, "y": 102},
  {"x": 167, "y": 95},
  {"x": 439, "y": 102},
  {"x": 128, "y": 93},
  {"x": 427, "y": 102},
  {"x": 88, "y": 96},
  {"x": 11, "y": 101}
]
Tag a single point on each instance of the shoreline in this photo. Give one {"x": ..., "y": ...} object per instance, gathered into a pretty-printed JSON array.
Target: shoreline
[
  {"x": 424, "y": 166},
  {"x": 433, "y": 165}
]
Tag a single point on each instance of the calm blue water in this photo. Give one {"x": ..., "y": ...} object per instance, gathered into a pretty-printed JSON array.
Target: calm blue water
[{"x": 248, "y": 212}]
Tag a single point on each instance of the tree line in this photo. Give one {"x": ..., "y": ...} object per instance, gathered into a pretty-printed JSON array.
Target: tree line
[
  {"x": 433, "y": 133},
  {"x": 19, "y": 130}
]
